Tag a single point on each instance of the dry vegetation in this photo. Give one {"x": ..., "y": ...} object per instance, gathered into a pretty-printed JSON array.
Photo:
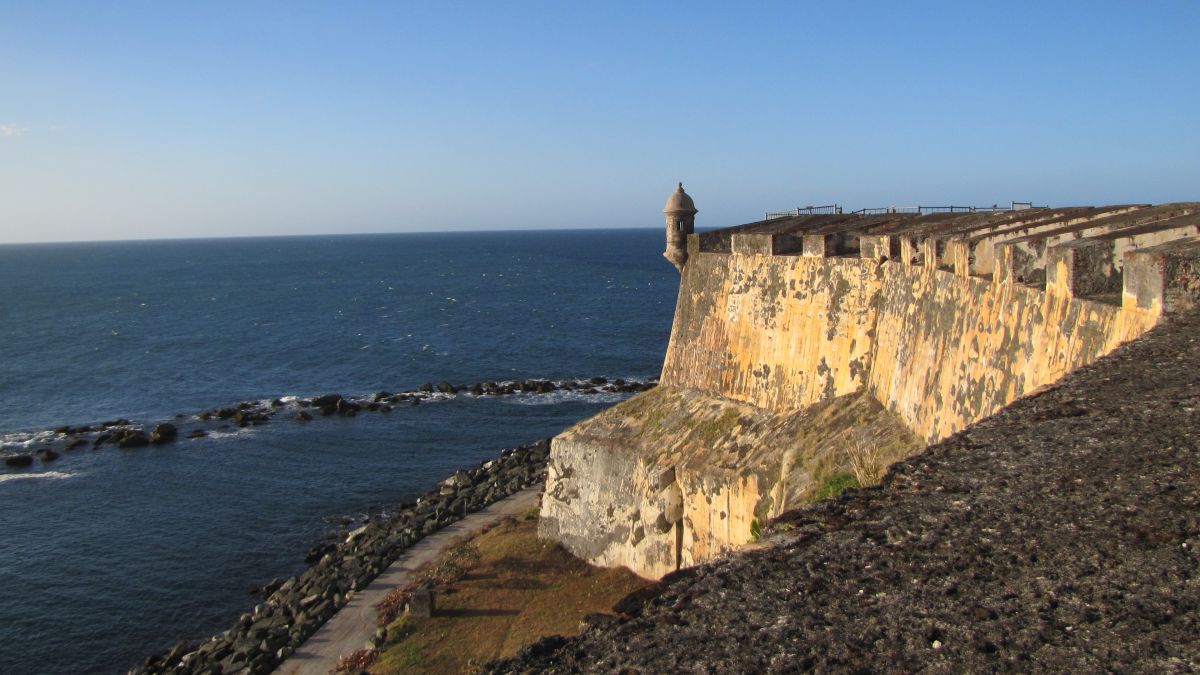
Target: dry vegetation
[
  {"x": 865, "y": 458},
  {"x": 495, "y": 594}
]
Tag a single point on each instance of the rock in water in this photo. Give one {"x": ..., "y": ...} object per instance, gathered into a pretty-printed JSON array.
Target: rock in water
[
  {"x": 327, "y": 399},
  {"x": 18, "y": 461},
  {"x": 134, "y": 439},
  {"x": 47, "y": 455},
  {"x": 163, "y": 433}
]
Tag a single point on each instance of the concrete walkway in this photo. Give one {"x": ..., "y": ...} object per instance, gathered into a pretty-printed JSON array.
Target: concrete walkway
[{"x": 354, "y": 624}]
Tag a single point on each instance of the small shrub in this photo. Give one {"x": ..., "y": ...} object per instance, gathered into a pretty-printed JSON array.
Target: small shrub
[
  {"x": 864, "y": 455},
  {"x": 755, "y": 530},
  {"x": 834, "y": 484}
]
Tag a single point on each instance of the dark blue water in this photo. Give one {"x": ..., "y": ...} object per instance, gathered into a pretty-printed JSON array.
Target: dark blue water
[{"x": 109, "y": 555}]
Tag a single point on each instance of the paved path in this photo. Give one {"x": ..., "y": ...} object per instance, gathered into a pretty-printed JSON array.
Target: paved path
[{"x": 354, "y": 624}]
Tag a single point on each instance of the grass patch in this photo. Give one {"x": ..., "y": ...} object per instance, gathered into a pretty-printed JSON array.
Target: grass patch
[
  {"x": 834, "y": 484},
  {"x": 514, "y": 589}
]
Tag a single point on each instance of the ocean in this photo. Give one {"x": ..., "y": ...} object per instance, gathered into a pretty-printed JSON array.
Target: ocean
[{"x": 109, "y": 555}]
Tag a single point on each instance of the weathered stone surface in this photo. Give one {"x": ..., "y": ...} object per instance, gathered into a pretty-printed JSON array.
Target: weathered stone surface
[
  {"x": 783, "y": 332},
  {"x": 673, "y": 477}
]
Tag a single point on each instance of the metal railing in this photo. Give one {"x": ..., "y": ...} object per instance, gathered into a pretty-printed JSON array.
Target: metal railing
[
  {"x": 803, "y": 211},
  {"x": 882, "y": 210},
  {"x": 1013, "y": 206}
]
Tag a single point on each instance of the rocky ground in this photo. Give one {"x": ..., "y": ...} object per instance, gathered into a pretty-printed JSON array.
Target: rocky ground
[{"x": 1060, "y": 535}]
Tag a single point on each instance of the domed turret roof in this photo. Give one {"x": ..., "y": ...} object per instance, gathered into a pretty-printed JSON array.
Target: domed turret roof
[{"x": 679, "y": 202}]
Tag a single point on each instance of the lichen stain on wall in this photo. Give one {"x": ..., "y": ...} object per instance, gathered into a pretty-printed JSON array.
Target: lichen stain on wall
[
  {"x": 951, "y": 350},
  {"x": 779, "y": 332}
]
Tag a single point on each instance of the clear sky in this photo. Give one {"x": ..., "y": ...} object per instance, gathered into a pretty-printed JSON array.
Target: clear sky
[{"x": 168, "y": 119}]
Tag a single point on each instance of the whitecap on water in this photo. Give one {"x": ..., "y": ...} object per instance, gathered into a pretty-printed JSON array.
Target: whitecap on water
[
  {"x": 46, "y": 475},
  {"x": 25, "y": 439},
  {"x": 563, "y": 396}
]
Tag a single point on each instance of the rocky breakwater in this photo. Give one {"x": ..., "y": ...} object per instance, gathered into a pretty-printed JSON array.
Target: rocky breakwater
[
  {"x": 293, "y": 609},
  {"x": 19, "y": 450}
]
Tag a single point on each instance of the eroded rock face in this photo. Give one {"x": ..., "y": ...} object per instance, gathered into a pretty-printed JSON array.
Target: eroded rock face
[{"x": 673, "y": 477}]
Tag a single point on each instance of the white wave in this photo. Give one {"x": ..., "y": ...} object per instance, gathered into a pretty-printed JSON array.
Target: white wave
[
  {"x": 562, "y": 396},
  {"x": 234, "y": 432},
  {"x": 47, "y": 475},
  {"x": 26, "y": 439}
]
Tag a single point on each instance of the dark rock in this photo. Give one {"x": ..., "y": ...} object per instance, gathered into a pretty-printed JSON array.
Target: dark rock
[
  {"x": 446, "y": 388},
  {"x": 18, "y": 461},
  {"x": 302, "y": 416},
  {"x": 163, "y": 433},
  {"x": 427, "y": 387},
  {"x": 317, "y": 552},
  {"x": 477, "y": 389},
  {"x": 381, "y": 396},
  {"x": 327, "y": 399},
  {"x": 327, "y": 410},
  {"x": 76, "y": 443},
  {"x": 197, "y": 433},
  {"x": 134, "y": 439},
  {"x": 422, "y": 604},
  {"x": 599, "y": 380},
  {"x": 47, "y": 455}
]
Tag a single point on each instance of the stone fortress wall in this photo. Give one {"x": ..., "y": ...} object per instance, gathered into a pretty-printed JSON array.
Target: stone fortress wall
[{"x": 796, "y": 338}]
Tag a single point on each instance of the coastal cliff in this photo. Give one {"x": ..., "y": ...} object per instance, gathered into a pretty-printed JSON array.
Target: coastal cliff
[{"x": 800, "y": 341}]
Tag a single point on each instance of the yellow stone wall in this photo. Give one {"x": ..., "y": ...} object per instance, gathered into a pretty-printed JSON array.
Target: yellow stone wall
[
  {"x": 939, "y": 349},
  {"x": 779, "y": 332},
  {"x": 778, "y": 362}
]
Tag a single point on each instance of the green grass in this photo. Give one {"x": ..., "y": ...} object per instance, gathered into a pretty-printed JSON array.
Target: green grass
[{"x": 834, "y": 484}]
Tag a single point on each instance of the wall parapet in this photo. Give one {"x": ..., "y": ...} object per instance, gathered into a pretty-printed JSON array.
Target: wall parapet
[{"x": 938, "y": 345}]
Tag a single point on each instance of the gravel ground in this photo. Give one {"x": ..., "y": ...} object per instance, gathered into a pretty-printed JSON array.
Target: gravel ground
[{"x": 1060, "y": 535}]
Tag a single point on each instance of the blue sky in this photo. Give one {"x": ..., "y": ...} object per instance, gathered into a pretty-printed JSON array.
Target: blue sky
[{"x": 168, "y": 119}]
